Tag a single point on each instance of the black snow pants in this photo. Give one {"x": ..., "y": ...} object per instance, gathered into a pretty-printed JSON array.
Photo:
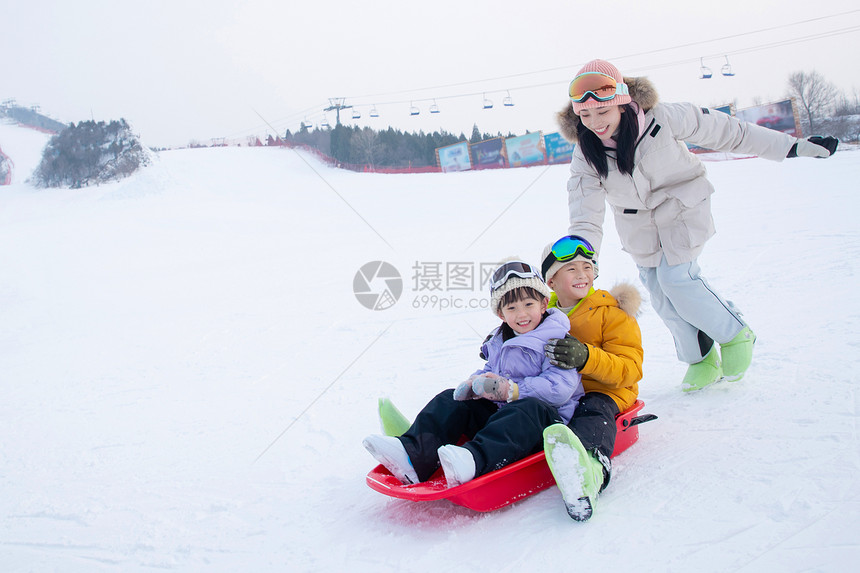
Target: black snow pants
[
  {"x": 593, "y": 422},
  {"x": 496, "y": 436}
]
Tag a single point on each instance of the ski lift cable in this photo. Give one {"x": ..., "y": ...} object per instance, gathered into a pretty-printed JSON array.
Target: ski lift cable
[
  {"x": 670, "y": 64},
  {"x": 292, "y": 117},
  {"x": 673, "y": 63},
  {"x": 776, "y": 44},
  {"x": 616, "y": 58},
  {"x": 641, "y": 69}
]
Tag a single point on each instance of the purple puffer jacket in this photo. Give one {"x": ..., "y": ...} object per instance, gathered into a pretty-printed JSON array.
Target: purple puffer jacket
[{"x": 522, "y": 360}]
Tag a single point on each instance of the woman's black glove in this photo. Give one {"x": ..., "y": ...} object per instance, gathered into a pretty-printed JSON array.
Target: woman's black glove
[
  {"x": 815, "y": 146},
  {"x": 566, "y": 352}
]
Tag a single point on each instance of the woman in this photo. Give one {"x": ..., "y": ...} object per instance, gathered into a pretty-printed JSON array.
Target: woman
[{"x": 631, "y": 154}]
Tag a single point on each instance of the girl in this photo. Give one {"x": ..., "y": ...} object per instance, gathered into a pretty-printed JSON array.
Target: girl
[
  {"x": 631, "y": 154},
  {"x": 503, "y": 408}
]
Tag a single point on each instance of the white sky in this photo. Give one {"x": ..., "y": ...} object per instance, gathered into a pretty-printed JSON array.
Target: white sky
[{"x": 192, "y": 70}]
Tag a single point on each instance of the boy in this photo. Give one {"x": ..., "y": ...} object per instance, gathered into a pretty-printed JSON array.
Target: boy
[
  {"x": 503, "y": 408},
  {"x": 605, "y": 347}
]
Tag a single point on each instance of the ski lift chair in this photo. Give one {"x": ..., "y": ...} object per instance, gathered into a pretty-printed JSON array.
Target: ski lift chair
[
  {"x": 356, "y": 114},
  {"x": 434, "y": 108},
  {"x": 413, "y": 110},
  {"x": 508, "y": 101},
  {"x": 373, "y": 112},
  {"x": 488, "y": 104},
  {"x": 307, "y": 125},
  {"x": 727, "y": 69},
  {"x": 324, "y": 123},
  {"x": 706, "y": 72}
]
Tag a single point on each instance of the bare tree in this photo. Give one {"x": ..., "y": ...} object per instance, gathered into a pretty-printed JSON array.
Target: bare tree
[
  {"x": 366, "y": 142},
  {"x": 847, "y": 105},
  {"x": 813, "y": 92}
]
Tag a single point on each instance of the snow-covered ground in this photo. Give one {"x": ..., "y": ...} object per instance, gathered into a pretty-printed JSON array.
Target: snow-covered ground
[{"x": 186, "y": 374}]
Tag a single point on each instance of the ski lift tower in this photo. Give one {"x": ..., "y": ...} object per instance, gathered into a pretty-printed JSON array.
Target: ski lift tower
[{"x": 336, "y": 104}]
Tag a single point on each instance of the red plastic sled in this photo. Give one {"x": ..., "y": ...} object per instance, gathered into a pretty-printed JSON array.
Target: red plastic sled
[{"x": 502, "y": 487}]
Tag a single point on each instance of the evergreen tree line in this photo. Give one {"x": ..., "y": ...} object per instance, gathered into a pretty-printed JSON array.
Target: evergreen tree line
[
  {"x": 90, "y": 152},
  {"x": 388, "y": 148}
]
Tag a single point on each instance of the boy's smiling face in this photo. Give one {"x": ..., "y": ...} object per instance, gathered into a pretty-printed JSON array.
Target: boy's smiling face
[{"x": 572, "y": 282}]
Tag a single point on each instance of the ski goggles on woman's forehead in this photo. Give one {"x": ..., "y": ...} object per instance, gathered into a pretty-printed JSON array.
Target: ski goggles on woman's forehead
[
  {"x": 596, "y": 85},
  {"x": 513, "y": 268},
  {"x": 566, "y": 249}
]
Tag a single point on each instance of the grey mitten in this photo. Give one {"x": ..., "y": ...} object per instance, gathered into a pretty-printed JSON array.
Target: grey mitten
[
  {"x": 464, "y": 391},
  {"x": 494, "y": 387},
  {"x": 566, "y": 352}
]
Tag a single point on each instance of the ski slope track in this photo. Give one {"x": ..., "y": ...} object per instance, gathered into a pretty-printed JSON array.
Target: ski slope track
[{"x": 187, "y": 376}]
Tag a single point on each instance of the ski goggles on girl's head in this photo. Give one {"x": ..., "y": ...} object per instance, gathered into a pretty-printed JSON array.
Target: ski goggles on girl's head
[
  {"x": 596, "y": 85},
  {"x": 513, "y": 268},
  {"x": 566, "y": 249}
]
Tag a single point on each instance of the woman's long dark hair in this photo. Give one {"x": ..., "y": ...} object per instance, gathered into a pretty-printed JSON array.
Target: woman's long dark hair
[{"x": 594, "y": 152}]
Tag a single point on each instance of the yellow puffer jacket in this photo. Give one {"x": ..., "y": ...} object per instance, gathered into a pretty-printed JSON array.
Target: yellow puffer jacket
[{"x": 606, "y": 323}]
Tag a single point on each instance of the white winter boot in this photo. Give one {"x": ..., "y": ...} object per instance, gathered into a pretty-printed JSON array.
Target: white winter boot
[
  {"x": 458, "y": 464},
  {"x": 390, "y": 452}
]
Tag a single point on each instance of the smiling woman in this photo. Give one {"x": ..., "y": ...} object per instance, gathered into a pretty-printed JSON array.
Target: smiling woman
[{"x": 631, "y": 154}]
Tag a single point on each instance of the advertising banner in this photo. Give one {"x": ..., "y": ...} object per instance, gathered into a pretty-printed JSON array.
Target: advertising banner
[
  {"x": 558, "y": 149},
  {"x": 489, "y": 154},
  {"x": 778, "y": 116},
  {"x": 454, "y": 157},
  {"x": 525, "y": 150}
]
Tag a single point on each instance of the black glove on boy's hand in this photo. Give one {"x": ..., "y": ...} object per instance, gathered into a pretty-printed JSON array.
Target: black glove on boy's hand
[{"x": 566, "y": 352}]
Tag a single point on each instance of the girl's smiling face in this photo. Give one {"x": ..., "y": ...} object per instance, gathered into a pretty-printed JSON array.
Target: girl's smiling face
[
  {"x": 523, "y": 315},
  {"x": 602, "y": 121}
]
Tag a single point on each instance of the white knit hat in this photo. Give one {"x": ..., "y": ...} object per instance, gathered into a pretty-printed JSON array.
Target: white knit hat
[{"x": 515, "y": 282}]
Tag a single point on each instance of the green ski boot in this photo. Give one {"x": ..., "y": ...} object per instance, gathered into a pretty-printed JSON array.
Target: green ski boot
[
  {"x": 578, "y": 474},
  {"x": 737, "y": 354},
  {"x": 393, "y": 423},
  {"x": 703, "y": 373}
]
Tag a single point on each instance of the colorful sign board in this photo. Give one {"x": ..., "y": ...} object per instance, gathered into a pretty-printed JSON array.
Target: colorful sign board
[
  {"x": 778, "y": 116},
  {"x": 525, "y": 150},
  {"x": 489, "y": 154},
  {"x": 558, "y": 149},
  {"x": 454, "y": 157}
]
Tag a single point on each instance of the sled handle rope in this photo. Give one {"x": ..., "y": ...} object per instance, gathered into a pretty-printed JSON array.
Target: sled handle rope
[{"x": 639, "y": 420}]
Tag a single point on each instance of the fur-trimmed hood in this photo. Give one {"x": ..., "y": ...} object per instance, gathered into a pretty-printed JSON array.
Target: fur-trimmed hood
[
  {"x": 605, "y": 321},
  {"x": 629, "y": 298},
  {"x": 642, "y": 91}
]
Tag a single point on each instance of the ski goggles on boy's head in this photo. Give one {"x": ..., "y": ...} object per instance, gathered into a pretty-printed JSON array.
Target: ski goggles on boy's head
[
  {"x": 596, "y": 85},
  {"x": 565, "y": 249},
  {"x": 513, "y": 268}
]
